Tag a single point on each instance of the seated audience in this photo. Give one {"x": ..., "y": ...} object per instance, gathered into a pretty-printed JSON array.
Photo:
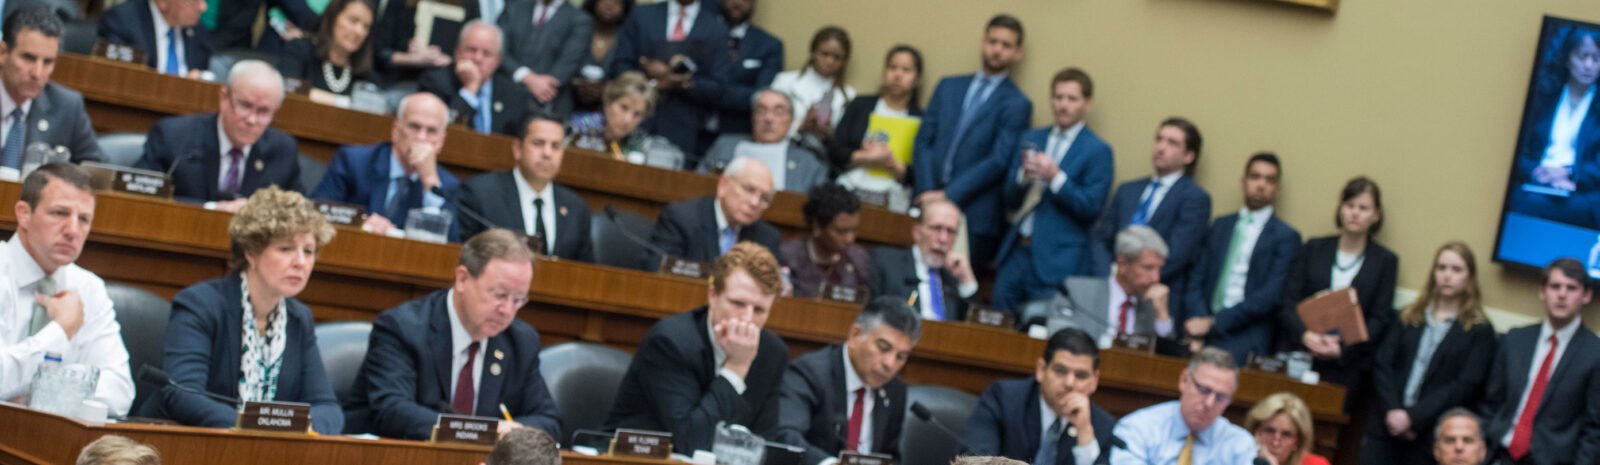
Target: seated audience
[
  {"x": 50, "y": 113},
  {"x": 527, "y": 199},
  {"x": 588, "y": 86},
  {"x": 1190, "y": 430},
  {"x": 338, "y": 53},
  {"x": 165, "y": 30},
  {"x": 49, "y": 303},
  {"x": 1540, "y": 404},
  {"x": 1130, "y": 301},
  {"x": 1047, "y": 420},
  {"x": 224, "y": 157},
  {"x": 460, "y": 350},
  {"x": 485, "y": 100},
  {"x": 757, "y": 59},
  {"x": 525, "y": 446},
  {"x": 112, "y": 449},
  {"x": 880, "y": 165},
  {"x": 689, "y": 95},
  {"x": 849, "y": 397},
  {"x": 770, "y": 143},
  {"x": 1284, "y": 434},
  {"x": 390, "y": 179},
  {"x": 244, "y": 334},
  {"x": 817, "y": 90},
  {"x": 1233, "y": 290},
  {"x": 400, "y": 56},
  {"x": 1436, "y": 358},
  {"x": 829, "y": 256},
  {"x": 712, "y": 364},
  {"x": 989, "y": 460},
  {"x": 1458, "y": 439},
  {"x": 547, "y": 42},
  {"x": 935, "y": 280},
  {"x": 701, "y": 229},
  {"x": 1053, "y": 197},
  {"x": 629, "y": 99},
  {"x": 1350, "y": 259}
]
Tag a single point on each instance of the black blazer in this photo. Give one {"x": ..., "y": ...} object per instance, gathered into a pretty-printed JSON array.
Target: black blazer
[
  {"x": 405, "y": 380},
  {"x": 1312, "y": 272},
  {"x": 894, "y": 274},
  {"x": 235, "y": 18},
  {"x": 1247, "y": 327},
  {"x": 130, "y": 23},
  {"x": 815, "y": 409},
  {"x": 672, "y": 386},
  {"x": 753, "y": 66},
  {"x": 205, "y": 342},
  {"x": 494, "y": 196},
  {"x": 688, "y": 230},
  {"x": 1006, "y": 423},
  {"x": 852, "y": 130},
  {"x": 1455, "y": 375},
  {"x": 510, "y": 108},
  {"x": 191, "y": 142},
  {"x": 1564, "y": 428}
]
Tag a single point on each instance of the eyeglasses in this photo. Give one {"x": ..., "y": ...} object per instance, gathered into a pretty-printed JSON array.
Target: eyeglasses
[
  {"x": 516, "y": 300},
  {"x": 1208, "y": 393},
  {"x": 751, "y": 190},
  {"x": 1277, "y": 434},
  {"x": 244, "y": 109}
]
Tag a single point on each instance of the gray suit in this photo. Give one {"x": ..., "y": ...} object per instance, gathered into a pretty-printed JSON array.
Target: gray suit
[
  {"x": 803, "y": 171},
  {"x": 558, "y": 47},
  {"x": 58, "y": 118},
  {"x": 1086, "y": 307}
]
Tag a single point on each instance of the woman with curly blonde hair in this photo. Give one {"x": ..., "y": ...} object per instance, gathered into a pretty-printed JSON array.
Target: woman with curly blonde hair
[{"x": 1282, "y": 426}]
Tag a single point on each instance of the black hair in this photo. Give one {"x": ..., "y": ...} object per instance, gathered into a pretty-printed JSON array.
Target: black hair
[
  {"x": 1075, "y": 342},
  {"x": 916, "y": 62},
  {"x": 1008, "y": 22},
  {"x": 1191, "y": 139},
  {"x": 1353, "y": 189},
  {"x": 891, "y": 311},
  {"x": 1264, "y": 157},
  {"x": 1570, "y": 267},
  {"x": 827, "y": 201},
  {"x": 36, "y": 17},
  {"x": 589, "y": 6},
  {"x": 534, "y": 116}
]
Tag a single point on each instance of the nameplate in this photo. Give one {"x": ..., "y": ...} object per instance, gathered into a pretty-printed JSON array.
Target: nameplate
[
  {"x": 687, "y": 268},
  {"x": 1267, "y": 364},
  {"x": 878, "y": 198},
  {"x": 990, "y": 317},
  {"x": 641, "y": 444},
  {"x": 275, "y": 417},
  {"x": 464, "y": 429},
  {"x": 128, "y": 180},
  {"x": 118, "y": 52},
  {"x": 347, "y": 214},
  {"x": 857, "y": 458},
  {"x": 843, "y": 293},
  {"x": 1135, "y": 342}
]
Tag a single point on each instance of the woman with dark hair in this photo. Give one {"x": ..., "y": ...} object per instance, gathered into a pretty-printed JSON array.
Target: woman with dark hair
[
  {"x": 1350, "y": 259},
  {"x": 340, "y": 52},
  {"x": 589, "y": 84},
  {"x": 1560, "y": 136},
  {"x": 1436, "y": 358},
  {"x": 817, "y": 91},
  {"x": 829, "y": 255},
  {"x": 871, "y": 164}
]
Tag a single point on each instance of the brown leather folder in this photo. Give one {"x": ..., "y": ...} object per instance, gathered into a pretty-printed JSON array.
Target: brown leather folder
[{"x": 1338, "y": 310}]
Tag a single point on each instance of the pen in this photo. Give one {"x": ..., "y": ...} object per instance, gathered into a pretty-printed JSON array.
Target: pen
[{"x": 505, "y": 412}]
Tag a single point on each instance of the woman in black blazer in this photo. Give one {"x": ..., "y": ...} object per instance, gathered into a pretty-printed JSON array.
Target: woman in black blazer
[
  {"x": 1349, "y": 259},
  {"x": 271, "y": 356},
  {"x": 902, "y": 81},
  {"x": 1446, "y": 342},
  {"x": 340, "y": 51}
]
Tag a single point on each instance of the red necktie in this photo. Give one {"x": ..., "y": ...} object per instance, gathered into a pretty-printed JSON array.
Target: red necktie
[
  {"x": 1524, "y": 432},
  {"x": 677, "y": 31},
  {"x": 854, "y": 434},
  {"x": 1122, "y": 316},
  {"x": 549, "y": 10},
  {"x": 464, "y": 401}
]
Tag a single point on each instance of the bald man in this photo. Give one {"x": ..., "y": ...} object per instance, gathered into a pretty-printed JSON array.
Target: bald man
[
  {"x": 391, "y": 178},
  {"x": 487, "y": 101},
  {"x": 224, "y": 157},
  {"x": 704, "y": 228}
]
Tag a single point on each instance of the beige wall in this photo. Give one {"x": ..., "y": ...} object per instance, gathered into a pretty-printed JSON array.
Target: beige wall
[{"x": 1423, "y": 96}]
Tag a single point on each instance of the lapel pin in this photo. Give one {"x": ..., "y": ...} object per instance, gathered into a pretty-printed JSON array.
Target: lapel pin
[
  {"x": 791, "y": 165},
  {"x": 497, "y": 107},
  {"x": 1072, "y": 431},
  {"x": 882, "y": 399},
  {"x": 494, "y": 369},
  {"x": 498, "y": 355},
  {"x": 260, "y": 165},
  {"x": 44, "y": 125},
  {"x": 562, "y": 211}
]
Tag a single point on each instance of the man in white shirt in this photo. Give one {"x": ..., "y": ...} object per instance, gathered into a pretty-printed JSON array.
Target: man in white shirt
[
  {"x": 936, "y": 281},
  {"x": 50, "y": 305}
]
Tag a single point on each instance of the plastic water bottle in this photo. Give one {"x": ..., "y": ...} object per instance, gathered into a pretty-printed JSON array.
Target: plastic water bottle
[{"x": 36, "y": 154}]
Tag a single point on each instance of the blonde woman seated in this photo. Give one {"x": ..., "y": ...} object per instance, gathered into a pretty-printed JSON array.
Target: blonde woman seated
[
  {"x": 629, "y": 100},
  {"x": 1282, "y": 426}
]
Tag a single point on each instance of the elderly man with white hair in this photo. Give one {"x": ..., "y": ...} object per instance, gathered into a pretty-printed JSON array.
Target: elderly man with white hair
[
  {"x": 770, "y": 118},
  {"x": 392, "y": 178},
  {"x": 1131, "y": 301},
  {"x": 702, "y": 229},
  {"x": 485, "y": 100},
  {"x": 221, "y": 158}
]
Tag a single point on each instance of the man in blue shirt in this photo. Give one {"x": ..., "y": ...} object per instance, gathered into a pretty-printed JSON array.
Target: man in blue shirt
[{"x": 1190, "y": 430}]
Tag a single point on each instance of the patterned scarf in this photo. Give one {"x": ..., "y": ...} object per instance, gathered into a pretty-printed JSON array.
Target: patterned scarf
[{"x": 263, "y": 353}]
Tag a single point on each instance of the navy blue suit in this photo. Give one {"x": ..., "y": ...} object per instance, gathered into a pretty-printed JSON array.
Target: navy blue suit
[
  {"x": 1006, "y": 423},
  {"x": 405, "y": 381},
  {"x": 1061, "y": 221},
  {"x": 191, "y": 142},
  {"x": 758, "y": 60},
  {"x": 1180, "y": 219},
  {"x": 204, "y": 348},
  {"x": 1247, "y": 327},
  {"x": 494, "y": 197},
  {"x": 680, "y": 114},
  {"x": 359, "y": 174},
  {"x": 985, "y": 146},
  {"x": 131, "y": 23}
]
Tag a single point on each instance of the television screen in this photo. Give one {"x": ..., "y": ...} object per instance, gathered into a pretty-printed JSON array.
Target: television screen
[{"x": 1552, "y": 201}]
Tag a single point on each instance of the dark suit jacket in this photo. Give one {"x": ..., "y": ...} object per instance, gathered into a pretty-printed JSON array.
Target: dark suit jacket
[
  {"x": 557, "y": 48},
  {"x": 852, "y": 130},
  {"x": 494, "y": 196},
  {"x": 1245, "y": 328},
  {"x": 894, "y": 274},
  {"x": 1006, "y": 423},
  {"x": 236, "y": 17},
  {"x": 204, "y": 347},
  {"x": 688, "y": 230},
  {"x": 130, "y": 23},
  {"x": 405, "y": 380},
  {"x": 1312, "y": 272},
  {"x": 672, "y": 386},
  {"x": 512, "y": 103},
  {"x": 1180, "y": 218},
  {"x": 59, "y": 119},
  {"x": 393, "y": 29},
  {"x": 804, "y": 172},
  {"x": 758, "y": 60},
  {"x": 1536, "y": 137},
  {"x": 986, "y": 145},
  {"x": 1455, "y": 376},
  {"x": 1565, "y": 428},
  {"x": 815, "y": 409},
  {"x": 359, "y": 174},
  {"x": 191, "y": 142},
  {"x": 680, "y": 114},
  {"x": 1062, "y": 220},
  {"x": 1085, "y": 306}
]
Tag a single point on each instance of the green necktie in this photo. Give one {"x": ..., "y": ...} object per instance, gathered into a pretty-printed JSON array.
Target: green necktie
[
  {"x": 41, "y": 317},
  {"x": 1220, "y": 296}
]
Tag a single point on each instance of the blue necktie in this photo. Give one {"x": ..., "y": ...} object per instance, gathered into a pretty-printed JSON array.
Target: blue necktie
[
  {"x": 399, "y": 206},
  {"x": 935, "y": 294},
  {"x": 1047, "y": 445},
  {"x": 1143, "y": 215},
  {"x": 481, "y": 124},
  {"x": 13, "y": 147},
  {"x": 172, "y": 53},
  {"x": 969, "y": 109},
  {"x": 728, "y": 239}
]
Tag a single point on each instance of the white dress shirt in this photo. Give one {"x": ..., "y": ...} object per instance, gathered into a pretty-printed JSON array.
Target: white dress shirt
[
  {"x": 98, "y": 342},
  {"x": 689, "y": 14},
  {"x": 525, "y": 195},
  {"x": 225, "y": 145},
  {"x": 1564, "y": 340},
  {"x": 1114, "y": 313},
  {"x": 6, "y": 107},
  {"x": 489, "y": 10},
  {"x": 722, "y": 223},
  {"x": 852, "y": 381},
  {"x": 966, "y": 290},
  {"x": 459, "y": 341},
  {"x": 808, "y": 88},
  {"x": 1081, "y": 454},
  {"x": 429, "y": 199},
  {"x": 1247, "y": 248},
  {"x": 540, "y": 9},
  {"x": 1564, "y": 128},
  {"x": 1056, "y": 146},
  {"x": 1160, "y": 194},
  {"x": 1342, "y": 277},
  {"x": 161, "y": 28},
  {"x": 719, "y": 357},
  {"x": 774, "y": 155}
]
